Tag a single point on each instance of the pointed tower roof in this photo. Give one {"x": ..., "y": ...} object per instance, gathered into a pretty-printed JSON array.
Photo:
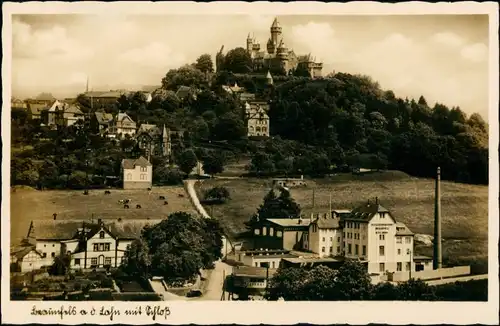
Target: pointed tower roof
[
  {"x": 164, "y": 130},
  {"x": 269, "y": 78},
  {"x": 248, "y": 37},
  {"x": 275, "y": 23}
]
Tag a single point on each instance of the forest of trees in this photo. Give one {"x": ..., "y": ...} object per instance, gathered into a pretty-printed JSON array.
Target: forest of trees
[{"x": 317, "y": 125}]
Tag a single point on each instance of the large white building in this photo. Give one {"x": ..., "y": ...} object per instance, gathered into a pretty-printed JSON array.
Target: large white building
[
  {"x": 257, "y": 118},
  {"x": 137, "y": 173},
  {"x": 90, "y": 244}
]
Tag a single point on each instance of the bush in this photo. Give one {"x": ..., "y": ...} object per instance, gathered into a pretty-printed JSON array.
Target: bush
[
  {"x": 217, "y": 195},
  {"x": 107, "y": 283}
]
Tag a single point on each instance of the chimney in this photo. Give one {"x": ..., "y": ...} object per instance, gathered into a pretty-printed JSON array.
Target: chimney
[
  {"x": 437, "y": 259},
  {"x": 99, "y": 221},
  {"x": 376, "y": 200}
]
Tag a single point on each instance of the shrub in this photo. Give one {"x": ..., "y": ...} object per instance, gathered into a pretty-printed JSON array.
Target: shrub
[{"x": 217, "y": 195}]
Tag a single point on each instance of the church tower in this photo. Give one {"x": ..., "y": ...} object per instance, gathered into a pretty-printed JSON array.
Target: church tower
[
  {"x": 275, "y": 31},
  {"x": 166, "y": 144},
  {"x": 249, "y": 44}
]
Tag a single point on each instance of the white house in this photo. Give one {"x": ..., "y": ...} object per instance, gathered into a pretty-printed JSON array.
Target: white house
[
  {"x": 137, "y": 173},
  {"x": 325, "y": 236},
  {"x": 91, "y": 244},
  {"x": 123, "y": 125},
  {"x": 257, "y": 118},
  {"x": 26, "y": 259}
]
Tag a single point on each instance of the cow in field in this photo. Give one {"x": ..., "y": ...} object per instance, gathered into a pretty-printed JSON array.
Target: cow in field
[
  {"x": 126, "y": 201},
  {"x": 138, "y": 206},
  {"x": 165, "y": 202},
  {"x": 180, "y": 195},
  {"x": 125, "y": 206},
  {"x": 86, "y": 192},
  {"x": 161, "y": 197},
  {"x": 107, "y": 192},
  {"x": 149, "y": 189},
  {"x": 54, "y": 215}
]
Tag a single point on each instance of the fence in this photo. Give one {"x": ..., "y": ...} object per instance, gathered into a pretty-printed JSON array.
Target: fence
[{"x": 432, "y": 274}]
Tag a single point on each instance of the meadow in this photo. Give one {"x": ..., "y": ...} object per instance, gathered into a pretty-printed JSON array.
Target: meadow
[
  {"x": 27, "y": 204},
  {"x": 411, "y": 201}
]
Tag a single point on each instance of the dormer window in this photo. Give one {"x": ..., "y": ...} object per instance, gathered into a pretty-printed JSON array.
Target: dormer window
[{"x": 101, "y": 235}]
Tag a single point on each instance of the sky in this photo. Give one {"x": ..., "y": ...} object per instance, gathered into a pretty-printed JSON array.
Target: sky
[{"x": 444, "y": 58}]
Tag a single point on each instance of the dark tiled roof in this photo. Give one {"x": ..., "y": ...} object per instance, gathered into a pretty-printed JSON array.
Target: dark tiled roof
[
  {"x": 103, "y": 118},
  {"x": 67, "y": 229},
  {"x": 402, "y": 229},
  {"x": 327, "y": 222},
  {"x": 132, "y": 163},
  {"x": 249, "y": 271},
  {"x": 20, "y": 252},
  {"x": 286, "y": 222},
  {"x": 73, "y": 109},
  {"x": 37, "y": 108},
  {"x": 366, "y": 211}
]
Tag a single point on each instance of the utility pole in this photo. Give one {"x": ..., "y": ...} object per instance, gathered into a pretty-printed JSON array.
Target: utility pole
[{"x": 223, "y": 285}]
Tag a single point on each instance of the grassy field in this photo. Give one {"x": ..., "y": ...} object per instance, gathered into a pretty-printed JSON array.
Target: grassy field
[
  {"x": 29, "y": 204},
  {"x": 411, "y": 200}
]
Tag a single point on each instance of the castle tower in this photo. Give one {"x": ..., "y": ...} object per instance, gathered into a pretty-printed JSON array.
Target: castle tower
[
  {"x": 249, "y": 44},
  {"x": 275, "y": 31}
]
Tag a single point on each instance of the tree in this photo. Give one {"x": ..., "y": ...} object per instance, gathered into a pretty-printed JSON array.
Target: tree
[
  {"x": 415, "y": 290},
  {"x": 282, "y": 206},
  {"x": 385, "y": 291},
  {"x": 238, "y": 60},
  {"x": 229, "y": 127},
  {"x": 352, "y": 282},
  {"x": 184, "y": 76},
  {"x": 217, "y": 194},
  {"x": 61, "y": 265},
  {"x": 262, "y": 164},
  {"x": 137, "y": 260},
  {"x": 181, "y": 245},
  {"x": 187, "y": 160},
  {"x": 302, "y": 71},
  {"x": 287, "y": 283},
  {"x": 213, "y": 164},
  {"x": 204, "y": 63}
]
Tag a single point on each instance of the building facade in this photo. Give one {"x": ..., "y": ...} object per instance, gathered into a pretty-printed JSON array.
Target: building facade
[
  {"x": 137, "y": 173},
  {"x": 257, "y": 119},
  {"x": 277, "y": 55},
  {"x": 153, "y": 140},
  {"x": 280, "y": 233},
  {"x": 123, "y": 125},
  {"x": 90, "y": 244}
]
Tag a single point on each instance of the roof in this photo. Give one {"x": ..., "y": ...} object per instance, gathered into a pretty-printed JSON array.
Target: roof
[
  {"x": 275, "y": 22},
  {"x": 20, "y": 252},
  {"x": 422, "y": 258},
  {"x": 299, "y": 260},
  {"x": 132, "y": 163},
  {"x": 402, "y": 229},
  {"x": 182, "y": 92},
  {"x": 37, "y": 108},
  {"x": 73, "y": 108},
  {"x": 273, "y": 256},
  {"x": 123, "y": 115},
  {"x": 103, "y": 118},
  {"x": 327, "y": 222},
  {"x": 286, "y": 222},
  {"x": 111, "y": 94},
  {"x": 341, "y": 211},
  {"x": 366, "y": 211},
  {"x": 150, "y": 129},
  {"x": 249, "y": 271},
  {"x": 95, "y": 93},
  {"x": 261, "y": 251},
  {"x": 67, "y": 229}
]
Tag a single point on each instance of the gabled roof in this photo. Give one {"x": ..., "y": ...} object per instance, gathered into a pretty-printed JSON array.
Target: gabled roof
[
  {"x": 103, "y": 118},
  {"x": 286, "y": 222},
  {"x": 275, "y": 22},
  {"x": 73, "y": 108},
  {"x": 37, "y": 108},
  {"x": 366, "y": 212},
  {"x": 132, "y": 163},
  {"x": 402, "y": 229},
  {"x": 326, "y": 222},
  {"x": 21, "y": 252},
  {"x": 148, "y": 128},
  {"x": 67, "y": 229},
  {"x": 122, "y": 115}
]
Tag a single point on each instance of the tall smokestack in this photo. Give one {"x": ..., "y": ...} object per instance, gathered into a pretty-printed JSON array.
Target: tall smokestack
[{"x": 438, "y": 259}]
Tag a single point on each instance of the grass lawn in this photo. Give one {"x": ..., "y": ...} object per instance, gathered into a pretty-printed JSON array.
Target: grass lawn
[
  {"x": 29, "y": 204},
  {"x": 411, "y": 200}
]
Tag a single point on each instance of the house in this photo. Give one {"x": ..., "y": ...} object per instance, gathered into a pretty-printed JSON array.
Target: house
[
  {"x": 153, "y": 140},
  {"x": 55, "y": 114},
  {"x": 45, "y": 98},
  {"x": 16, "y": 103},
  {"x": 263, "y": 257},
  {"x": 248, "y": 280},
  {"x": 257, "y": 118},
  {"x": 72, "y": 114},
  {"x": 324, "y": 236},
  {"x": 91, "y": 244},
  {"x": 101, "y": 122},
  {"x": 235, "y": 89},
  {"x": 123, "y": 125},
  {"x": 26, "y": 259},
  {"x": 35, "y": 109},
  {"x": 108, "y": 98},
  {"x": 280, "y": 233},
  {"x": 137, "y": 173},
  {"x": 289, "y": 182}
]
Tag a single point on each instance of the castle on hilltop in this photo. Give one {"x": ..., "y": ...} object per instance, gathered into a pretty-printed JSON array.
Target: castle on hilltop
[{"x": 278, "y": 56}]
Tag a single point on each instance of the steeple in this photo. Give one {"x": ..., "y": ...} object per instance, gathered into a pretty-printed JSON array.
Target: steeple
[
  {"x": 275, "y": 31},
  {"x": 269, "y": 78}
]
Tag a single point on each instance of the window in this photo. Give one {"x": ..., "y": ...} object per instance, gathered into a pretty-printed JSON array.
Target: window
[
  {"x": 107, "y": 261},
  {"x": 271, "y": 231},
  {"x": 53, "y": 254},
  {"x": 338, "y": 239},
  {"x": 381, "y": 236},
  {"x": 53, "y": 245},
  {"x": 356, "y": 249},
  {"x": 274, "y": 264},
  {"x": 101, "y": 246},
  {"x": 101, "y": 235},
  {"x": 323, "y": 239},
  {"x": 399, "y": 240},
  {"x": 77, "y": 261},
  {"x": 107, "y": 246},
  {"x": 331, "y": 239},
  {"x": 338, "y": 249},
  {"x": 44, "y": 245},
  {"x": 278, "y": 233},
  {"x": 129, "y": 176},
  {"x": 382, "y": 267},
  {"x": 399, "y": 251},
  {"x": 256, "y": 264},
  {"x": 399, "y": 267},
  {"x": 407, "y": 266},
  {"x": 382, "y": 215},
  {"x": 408, "y": 239},
  {"x": 96, "y": 247},
  {"x": 257, "y": 232},
  {"x": 364, "y": 250},
  {"x": 264, "y": 231},
  {"x": 93, "y": 261},
  {"x": 322, "y": 249},
  {"x": 349, "y": 248},
  {"x": 381, "y": 251},
  {"x": 44, "y": 255},
  {"x": 343, "y": 235},
  {"x": 331, "y": 249},
  {"x": 143, "y": 176}
]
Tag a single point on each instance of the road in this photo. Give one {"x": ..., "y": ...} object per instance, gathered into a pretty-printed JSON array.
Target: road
[{"x": 215, "y": 281}]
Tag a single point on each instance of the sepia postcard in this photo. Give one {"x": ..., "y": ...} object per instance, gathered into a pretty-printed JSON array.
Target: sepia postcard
[{"x": 247, "y": 163}]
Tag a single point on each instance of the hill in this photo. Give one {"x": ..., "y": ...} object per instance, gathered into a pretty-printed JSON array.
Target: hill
[
  {"x": 411, "y": 200},
  {"x": 27, "y": 205}
]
